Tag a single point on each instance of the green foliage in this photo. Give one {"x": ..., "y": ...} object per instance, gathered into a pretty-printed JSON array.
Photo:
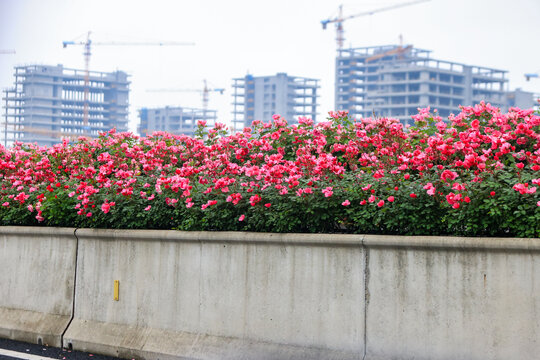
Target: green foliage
[{"x": 475, "y": 175}]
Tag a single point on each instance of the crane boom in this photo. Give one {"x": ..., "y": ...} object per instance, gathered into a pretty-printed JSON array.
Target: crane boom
[
  {"x": 340, "y": 18},
  {"x": 120, "y": 43},
  {"x": 529, "y": 76},
  {"x": 184, "y": 90}
]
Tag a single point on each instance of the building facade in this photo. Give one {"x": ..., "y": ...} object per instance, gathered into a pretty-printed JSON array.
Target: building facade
[
  {"x": 258, "y": 98},
  {"x": 49, "y": 103},
  {"x": 521, "y": 99},
  {"x": 175, "y": 120},
  {"x": 394, "y": 81}
]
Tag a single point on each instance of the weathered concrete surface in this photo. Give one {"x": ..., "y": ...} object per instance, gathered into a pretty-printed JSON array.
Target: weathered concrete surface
[
  {"x": 453, "y": 298},
  {"x": 36, "y": 283},
  {"x": 127, "y": 342},
  {"x": 222, "y": 295},
  {"x": 204, "y": 295}
]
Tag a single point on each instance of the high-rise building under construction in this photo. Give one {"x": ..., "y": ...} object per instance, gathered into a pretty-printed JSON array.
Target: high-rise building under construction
[
  {"x": 49, "y": 103},
  {"x": 260, "y": 97},
  {"x": 394, "y": 81}
]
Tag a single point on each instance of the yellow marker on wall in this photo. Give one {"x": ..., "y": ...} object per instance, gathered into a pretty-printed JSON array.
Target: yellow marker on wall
[{"x": 116, "y": 289}]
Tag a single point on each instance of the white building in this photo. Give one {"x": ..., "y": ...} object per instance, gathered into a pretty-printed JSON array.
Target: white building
[
  {"x": 258, "y": 98},
  {"x": 174, "y": 120},
  {"x": 49, "y": 103}
]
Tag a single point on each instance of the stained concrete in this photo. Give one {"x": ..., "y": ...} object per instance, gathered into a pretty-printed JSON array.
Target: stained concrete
[
  {"x": 305, "y": 294},
  {"x": 212, "y": 295},
  {"x": 36, "y": 283},
  {"x": 453, "y": 298}
]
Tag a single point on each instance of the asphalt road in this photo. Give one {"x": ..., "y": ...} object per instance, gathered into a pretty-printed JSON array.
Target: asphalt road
[{"x": 11, "y": 350}]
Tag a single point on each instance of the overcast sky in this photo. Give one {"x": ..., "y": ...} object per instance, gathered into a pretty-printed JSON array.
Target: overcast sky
[{"x": 260, "y": 37}]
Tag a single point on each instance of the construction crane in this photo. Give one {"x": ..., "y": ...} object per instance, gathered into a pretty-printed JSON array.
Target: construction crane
[
  {"x": 205, "y": 94},
  {"x": 8, "y": 51},
  {"x": 531, "y": 75},
  {"x": 88, "y": 43},
  {"x": 340, "y": 37}
]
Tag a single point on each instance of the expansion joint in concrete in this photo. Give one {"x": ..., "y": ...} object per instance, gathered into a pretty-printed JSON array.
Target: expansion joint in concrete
[
  {"x": 366, "y": 293},
  {"x": 74, "y": 286}
]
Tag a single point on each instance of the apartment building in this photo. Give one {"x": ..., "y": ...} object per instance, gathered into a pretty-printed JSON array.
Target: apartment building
[{"x": 260, "y": 97}]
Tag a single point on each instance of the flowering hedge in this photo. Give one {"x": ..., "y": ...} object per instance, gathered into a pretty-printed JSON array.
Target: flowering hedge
[{"x": 476, "y": 174}]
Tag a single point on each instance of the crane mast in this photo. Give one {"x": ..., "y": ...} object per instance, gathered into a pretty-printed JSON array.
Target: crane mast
[
  {"x": 205, "y": 94},
  {"x": 87, "y": 54},
  {"x": 340, "y": 32}
]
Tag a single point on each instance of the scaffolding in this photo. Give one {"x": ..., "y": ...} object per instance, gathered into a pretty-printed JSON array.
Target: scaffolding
[
  {"x": 394, "y": 81},
  {"x": 47, "y": 104}
]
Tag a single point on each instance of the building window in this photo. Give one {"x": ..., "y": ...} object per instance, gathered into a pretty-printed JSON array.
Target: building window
[
  {"x": 444, "y": 112},
  {"x": 444, "y": 101},
  {"x": 414, "y": 75},
  {"x": 414, "y": 99},
  {"x": 398, "y": 100},
  {"x": 458, "y": 79},
  {"x": 399, "y": 76},
  {"x": 457, "y": 91},
  {"x": 444, "y": 77},
  {"x": 444, "y": 89},
  {"x": 414, "y": 87}
]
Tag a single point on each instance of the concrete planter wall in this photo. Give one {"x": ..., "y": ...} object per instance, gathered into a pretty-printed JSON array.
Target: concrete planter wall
[{"x": 225, "y": 295}]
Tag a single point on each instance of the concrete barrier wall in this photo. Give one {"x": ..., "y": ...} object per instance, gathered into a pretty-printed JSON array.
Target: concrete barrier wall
[
  {"x": 37, "y": 273},
  {"x": 298, "y": 296},
  {"x": 219, "y": 295},
  {"x": 453, "y": 298}
]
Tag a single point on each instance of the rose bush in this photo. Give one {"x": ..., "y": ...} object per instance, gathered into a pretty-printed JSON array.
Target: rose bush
[{"x": 476, "y": 174}]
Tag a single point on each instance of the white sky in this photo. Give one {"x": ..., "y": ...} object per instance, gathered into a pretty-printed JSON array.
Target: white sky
[{"x": 260, "y": 37}]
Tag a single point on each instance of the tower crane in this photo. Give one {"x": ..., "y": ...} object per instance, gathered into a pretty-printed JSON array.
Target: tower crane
[
  {"x": 205, "y": 94},
  {"x": 88, "y": 43},
  {"x": 340, "y": 18},
  {"x": 532, "y": 75}
]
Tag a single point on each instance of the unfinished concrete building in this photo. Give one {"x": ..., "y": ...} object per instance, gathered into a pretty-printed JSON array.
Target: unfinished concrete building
[
  {"x": 394, "y": 81},
  {"x": 175, "y": 120},
  {"x": 47, "y": 104},
  {"x": 258, "y": 98}
]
